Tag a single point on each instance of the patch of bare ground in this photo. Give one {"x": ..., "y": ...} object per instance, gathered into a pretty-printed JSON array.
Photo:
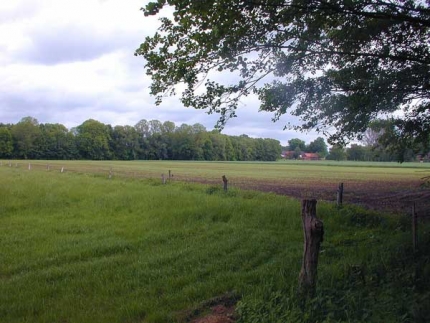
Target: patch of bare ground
[
  {"x": 386, "y": 196},
  {"x": 216, "y": 310}
]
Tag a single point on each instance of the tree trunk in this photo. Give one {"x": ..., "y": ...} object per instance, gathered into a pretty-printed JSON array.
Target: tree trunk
[{"x": 313, "y": 233}]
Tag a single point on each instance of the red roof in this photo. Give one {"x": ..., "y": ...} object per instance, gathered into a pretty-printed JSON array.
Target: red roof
[{"x": 310, "y": 156}]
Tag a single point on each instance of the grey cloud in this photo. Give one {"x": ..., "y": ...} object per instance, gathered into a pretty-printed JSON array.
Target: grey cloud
[
  {"x": 18, "y": 12},
  {"x": 50, "y": 46}
]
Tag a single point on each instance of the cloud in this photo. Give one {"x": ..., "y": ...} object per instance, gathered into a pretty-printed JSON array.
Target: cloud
[
  {"x": 69, "y": 44},
  {"x": 70, "y": 61}
]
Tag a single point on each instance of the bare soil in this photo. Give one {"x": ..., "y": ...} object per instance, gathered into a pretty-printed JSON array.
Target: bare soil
[
  {"x": 216, "y": 310},
  {"x": 386, "y": 196}
]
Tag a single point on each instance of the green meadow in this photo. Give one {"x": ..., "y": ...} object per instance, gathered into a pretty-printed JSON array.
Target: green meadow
[{"x": 79, "y": 247}]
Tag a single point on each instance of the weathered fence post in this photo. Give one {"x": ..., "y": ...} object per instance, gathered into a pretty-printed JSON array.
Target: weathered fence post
[
  {"x": 163, "y": 179},
  {"x": 224, "y": 179},
  {"x": 62, "y": 169},
  {"x": 414, "y": 228},
  {"x": 170, "y": 175},
  {"x": 29, "y": 166},
  {"x": 313, "y": 233},
  {"x": 110, "y": 173},
  {"x": 339, "y": 199}
]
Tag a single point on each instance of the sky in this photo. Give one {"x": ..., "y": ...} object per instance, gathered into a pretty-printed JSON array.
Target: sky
[{"x": 69, "y": 61}]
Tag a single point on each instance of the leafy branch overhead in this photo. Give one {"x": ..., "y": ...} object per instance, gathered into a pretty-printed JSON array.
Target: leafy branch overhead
[{"x": 336, "y": 64}]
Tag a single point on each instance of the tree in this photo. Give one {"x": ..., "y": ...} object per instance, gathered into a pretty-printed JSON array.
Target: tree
[
  {"x": 296, "y": 143},
  {"x": 25, "y": 135},
  {"x": 55, "y": 142},
  {"x": 93, "y": 139},
  {"x": 336, "y": 153},
  {"x": 6, "y": 142},
  {"x": 125, "y": 142},
  {"x": 357, "y": 152},
  {"x": 334, "y": 64},
  {"x": 318, "y": 146}
]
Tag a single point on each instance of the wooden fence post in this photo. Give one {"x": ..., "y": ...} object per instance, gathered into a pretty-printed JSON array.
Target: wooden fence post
[
  {"x": 29, "y": 166},
  {"x": 414, "y": 228},
  {"x": 224, "y": 179},
  {"x": 163, "y": 179},
  {"x": 110, "y": 173},
  {"x": 313, "y": 233},
  {"x": 62, "y": 169},
  {"x": 170, "y": 175},
  {"x": 339, "y": 199}
]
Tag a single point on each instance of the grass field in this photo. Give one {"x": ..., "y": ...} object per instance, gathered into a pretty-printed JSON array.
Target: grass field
[
  {"x": 383, "y": 186},
  {"x": 78, "y": 247},
  {"x": 277, "y": 171}
]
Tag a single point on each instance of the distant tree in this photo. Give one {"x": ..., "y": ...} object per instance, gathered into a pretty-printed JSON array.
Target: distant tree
[
  {"x": 336, "y": 153},
  {"x": 143, "y": 128},
  {"x": 168, "y": 127},
  {"x": 318, "y": 146},
  {"x": 393, "y": 144},
  {"x": 357, "y": 152},
  {"x": 25, "y": 135},
  {"x": 93, "y": 140},
  {"x": 273, "y": 149},
  {"x": 297, "y": 153},
  {"x": 6, "y": 142},
  {"x": 208, "y": 153},
  {"x": 296, "y": 143},
  {"x": 125, "y": 143},
  {"x": 55, "y": 142}
]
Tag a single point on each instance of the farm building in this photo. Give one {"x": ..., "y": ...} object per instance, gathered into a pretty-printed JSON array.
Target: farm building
[{"x": 310, "y": 156}]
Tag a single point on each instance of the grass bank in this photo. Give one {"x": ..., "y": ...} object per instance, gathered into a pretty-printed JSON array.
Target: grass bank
[{"x": 83, "y": 248}]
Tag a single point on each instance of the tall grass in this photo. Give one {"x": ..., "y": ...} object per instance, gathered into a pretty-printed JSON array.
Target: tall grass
[{"x": 83, "y": 248}]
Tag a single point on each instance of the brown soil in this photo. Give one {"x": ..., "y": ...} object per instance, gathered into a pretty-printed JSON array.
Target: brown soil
[
  {"x": 216, "y": 310},
  {"x": 219, "y": 314},
  {"x": 387, "y": 196}
]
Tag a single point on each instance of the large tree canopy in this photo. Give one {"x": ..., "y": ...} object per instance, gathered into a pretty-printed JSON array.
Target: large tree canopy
[{"x": 336, "y": 64}]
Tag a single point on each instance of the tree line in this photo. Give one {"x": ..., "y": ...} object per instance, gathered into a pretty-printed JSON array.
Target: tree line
[{"x": 147, "y": 140}]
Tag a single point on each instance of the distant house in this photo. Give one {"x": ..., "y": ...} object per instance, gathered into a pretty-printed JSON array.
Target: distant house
[
  {"x": 289, "y": 154},
  {"x": 310, "y": 156}
]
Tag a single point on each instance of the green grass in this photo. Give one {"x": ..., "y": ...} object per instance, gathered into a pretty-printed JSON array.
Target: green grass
[
  {"x": 82, "y": 248},
  {"x": 303, "y": 172}
]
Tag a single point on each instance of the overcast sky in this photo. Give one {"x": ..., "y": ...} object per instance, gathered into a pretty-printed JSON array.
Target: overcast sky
[{"x": 70, "y": 61}]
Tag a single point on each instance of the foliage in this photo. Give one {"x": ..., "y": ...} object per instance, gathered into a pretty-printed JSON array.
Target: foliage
[
  {"x": 6, "y": 142},
  {"x": 336, "y": 65},
  {"x": 92, "y": 140},
  {"x": 150, "y": 140},
  {"x": 390, "y": 139},
  {"x": 25, "y": 134},
  {"x": 336, "y": 153},
  {"x": 318, "y": 146},
  {"x": 296, "y": 143}
]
